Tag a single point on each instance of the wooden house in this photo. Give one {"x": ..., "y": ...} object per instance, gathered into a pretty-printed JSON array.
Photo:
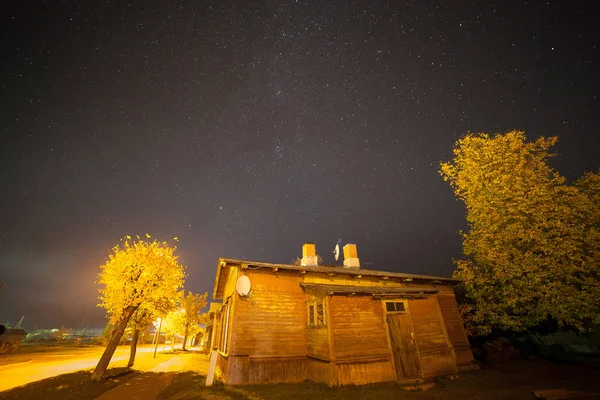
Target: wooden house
[{"x": 334, "y": 324}]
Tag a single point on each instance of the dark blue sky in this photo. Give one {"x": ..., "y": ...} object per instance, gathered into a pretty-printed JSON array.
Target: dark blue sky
[{"x": 247, "y": 128}]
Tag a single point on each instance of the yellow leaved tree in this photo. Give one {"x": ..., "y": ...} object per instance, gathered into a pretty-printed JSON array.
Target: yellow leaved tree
[
  {"x": 192, "y": 304},
  {"x": 140, "y": 321},
  {"x": 140, "y": 274},
  {"x": 186, "y": 319},
  {"x": 532, "y": 252}
]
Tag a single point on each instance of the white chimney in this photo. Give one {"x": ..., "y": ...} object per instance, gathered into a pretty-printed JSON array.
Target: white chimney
[
  {"x": 309, "y": 255},
  {"x": 351, "y": 256}
]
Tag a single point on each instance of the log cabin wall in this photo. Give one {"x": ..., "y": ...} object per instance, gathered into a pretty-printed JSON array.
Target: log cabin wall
[
  {"x": 359, "y": 340},
  {"x": 455, "y": 329},
  {"x": 270, "y": 330},
  {"x": 227, "y": 324},
  {"x": 321, "y": 371},
  {"x": 317, "y": 343},
  {"x": 350, "y": 280},
  {"x": 317, "y": 336},
  {"x": 271, "y": 322},
  {"x": 436, "y": 353},
  {"x": 362, "y": 373}
]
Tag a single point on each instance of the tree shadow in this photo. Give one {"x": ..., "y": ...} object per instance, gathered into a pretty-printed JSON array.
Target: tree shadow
[
  {"x": 119, "y": 372},
  {"x": 72, "y": 386},
  {"x": 191, "y": 385}
]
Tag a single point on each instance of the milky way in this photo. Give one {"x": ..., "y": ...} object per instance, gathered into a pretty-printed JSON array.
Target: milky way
[{"x": 248, "y": 128}]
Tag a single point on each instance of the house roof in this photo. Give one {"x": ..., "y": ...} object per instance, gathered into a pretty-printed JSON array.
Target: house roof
[
  {"x": 225, "y": 262},
  {"x": 372, "y": 290}
]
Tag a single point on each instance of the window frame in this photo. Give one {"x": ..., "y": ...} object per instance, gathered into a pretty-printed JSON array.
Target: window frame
[
  {"x": 312, "y": 313},
  {"x": 395, "y": 311},
  {"x": 223, "y": 342}
]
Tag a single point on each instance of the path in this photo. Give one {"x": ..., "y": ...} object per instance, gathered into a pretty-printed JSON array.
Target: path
[
  {"x": 149, "y": 385},
  {"x": 43, "y": 366}
]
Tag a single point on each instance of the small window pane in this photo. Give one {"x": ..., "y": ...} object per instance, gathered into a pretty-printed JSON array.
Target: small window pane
[
  {"x": 390, "y": 307},
  {"x": 320, "y": 314},
  {"x": 400, "y": 306},
  {"x": 311, "y": 314}
]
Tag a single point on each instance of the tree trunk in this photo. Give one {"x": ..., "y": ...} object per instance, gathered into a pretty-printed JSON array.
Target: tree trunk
[
  {"x": 112, "y": 343},
  {"x": 185, "y": 337},
  {"x": 133, "y": 348}
]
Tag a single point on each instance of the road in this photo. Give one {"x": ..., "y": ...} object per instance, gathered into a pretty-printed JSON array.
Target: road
[{"x": 46, "y": 365}]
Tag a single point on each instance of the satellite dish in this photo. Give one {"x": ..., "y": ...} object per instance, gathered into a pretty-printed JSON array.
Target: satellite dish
[
  {"x": 336, "y": 252},
  {"x": 242, "y": 286}
]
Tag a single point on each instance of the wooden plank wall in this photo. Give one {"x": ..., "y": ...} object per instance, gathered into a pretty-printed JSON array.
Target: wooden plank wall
[
  {"x": 237, "y": 370},
  {"x": 362, "y": 373},
  {"x": 222, "y": 366},
  {"x": 274, "y": 370},
  {"x": 436, "y": 353},
  {"x": 230, "y": 297},
  {"x": 350, "y": 280},
  {"x": 242, "y": 370},
  {"x": 438, "y": 364},
  {"x": 320, "y": 371},
  {"x": 358, "y": 328},
  {"x": 272, "y": 321},
  {"x": 455, "y": 329},
  {"x": 317, "y": 342},
  {"x": 429, "y": 331}
]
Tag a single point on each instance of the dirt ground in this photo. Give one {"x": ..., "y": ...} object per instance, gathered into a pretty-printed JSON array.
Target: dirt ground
[{"x": 512, "y": 381}]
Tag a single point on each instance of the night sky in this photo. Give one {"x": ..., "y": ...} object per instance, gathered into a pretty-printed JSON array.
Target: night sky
[{"x": 246, "y": 128}]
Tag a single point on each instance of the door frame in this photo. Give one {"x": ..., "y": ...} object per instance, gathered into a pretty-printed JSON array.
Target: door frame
[{"x": 389, "y": 339}]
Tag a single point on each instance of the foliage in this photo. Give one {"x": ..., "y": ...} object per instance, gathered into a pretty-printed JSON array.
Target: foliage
[
  {"x": 190, "y": 322},
  {"x": 61, "y": 334},
  {"x": 9, "y": 347},
  {"x": 173, "y": 322},
  {"x": 139, "y": 274},
  {"x": 103, "y": 339},
  {"x": 533, "y": 246},
  {"x": 187, "y": 319},
  {"x": 140, "y": 320}
]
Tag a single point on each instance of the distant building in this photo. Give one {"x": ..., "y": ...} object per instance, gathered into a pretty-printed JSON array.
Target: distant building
[{"x": 337, "y": 325}]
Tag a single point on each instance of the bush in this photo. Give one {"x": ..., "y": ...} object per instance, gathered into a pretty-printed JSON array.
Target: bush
[
  {"x": 8, "y": 347},
  {"x": 497, "y": 351}
]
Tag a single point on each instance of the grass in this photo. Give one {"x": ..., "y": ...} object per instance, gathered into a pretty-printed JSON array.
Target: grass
[
  {"x": 513, "y": 381},
  {"x": 75, "y": 386}
]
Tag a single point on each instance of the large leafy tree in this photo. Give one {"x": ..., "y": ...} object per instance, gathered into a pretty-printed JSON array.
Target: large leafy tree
[
  {"x": 533, "y": 245},
  {"x": 139, "y": 273}
]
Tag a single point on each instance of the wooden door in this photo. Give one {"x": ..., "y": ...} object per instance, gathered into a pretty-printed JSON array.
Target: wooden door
[{"x": 404, "y": 348}]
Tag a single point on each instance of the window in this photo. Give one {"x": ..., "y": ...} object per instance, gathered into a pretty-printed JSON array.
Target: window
[
  {"x": 320, "y": 314},
  {"x": 316, "y": 313},
  {"x": 395, "y": 306},
  {"x": 224, "y": 325}
]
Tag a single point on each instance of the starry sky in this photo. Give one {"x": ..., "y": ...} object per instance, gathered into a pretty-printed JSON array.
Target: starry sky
[{"x": 246, "y": 128}]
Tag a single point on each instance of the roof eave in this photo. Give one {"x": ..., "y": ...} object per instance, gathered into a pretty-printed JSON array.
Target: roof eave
[
  {"x": 349, "y": 271},
  {"x": 215, "y": 295}
]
